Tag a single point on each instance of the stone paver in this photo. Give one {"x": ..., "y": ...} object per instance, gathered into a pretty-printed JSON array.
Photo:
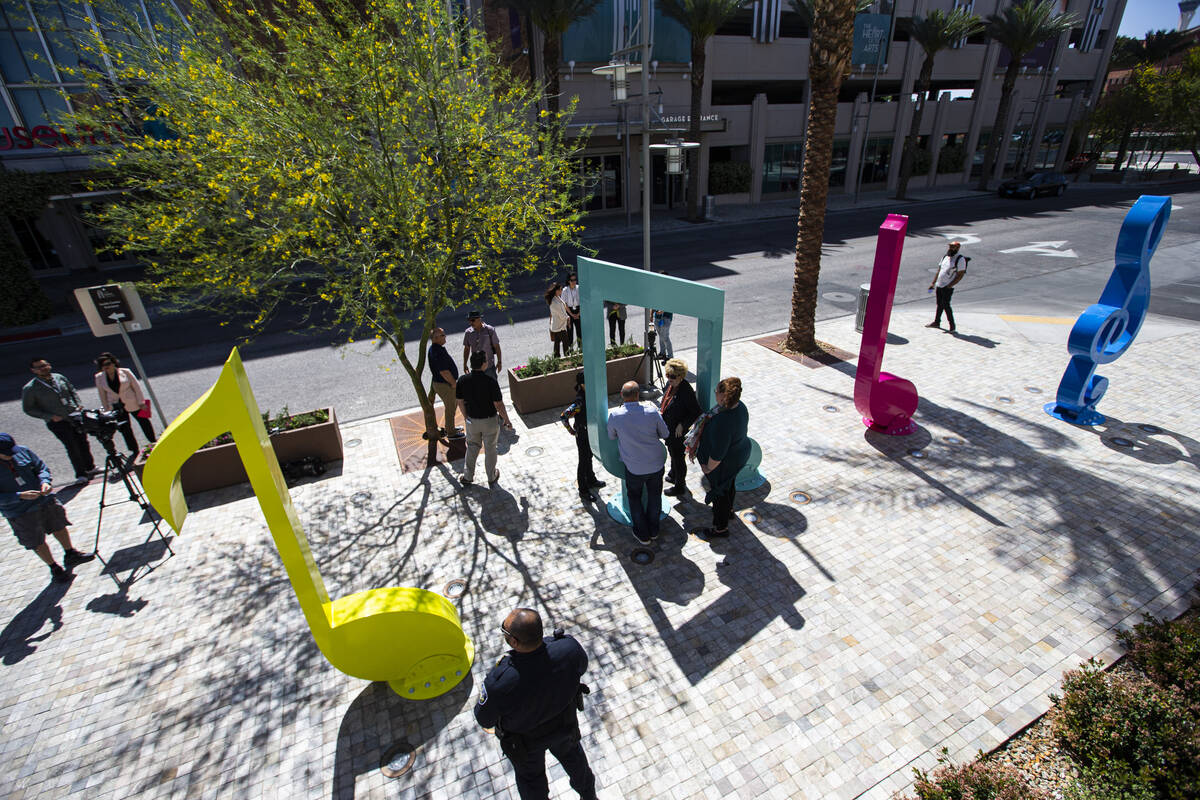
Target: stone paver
[{"x": 821, "y": 652}]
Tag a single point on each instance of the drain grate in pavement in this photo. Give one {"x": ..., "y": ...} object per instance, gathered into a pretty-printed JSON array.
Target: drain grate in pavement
[
  {"x": 352, "y": 443},
  {"x": 1150, "y": 428},
  {"x": 831, "y": 409},
  {"x": 952, "y": 440},
  {"x": 1033, "y": 390},
  {"x": 360, "y": 498},
  {"x": 1004, "y": 399},
  {"x": 641, "y": 555},
  {"x": 533, "y": 452},
  {"x": 1121, "y": 441},
  {"x": 915, "y": 453},
  {"x": 455, "y": 588},
  {"x": 749, "y": 517},
  {"x": 800, "y": 498},
  {"x": 398, "y": 760}
]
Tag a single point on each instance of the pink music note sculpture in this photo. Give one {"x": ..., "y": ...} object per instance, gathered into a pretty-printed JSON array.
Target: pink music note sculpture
[{"x": 886, "y": 401}]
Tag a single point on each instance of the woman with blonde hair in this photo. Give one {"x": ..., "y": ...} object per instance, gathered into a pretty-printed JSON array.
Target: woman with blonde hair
[
  {"x": 120, "y": 391},
  {"x": 723, "y": 450}
]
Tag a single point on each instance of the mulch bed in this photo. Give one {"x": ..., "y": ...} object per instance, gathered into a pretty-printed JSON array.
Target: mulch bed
[
  {"x": 828, "y": 356},
  {"x": 412, "y": 447}
]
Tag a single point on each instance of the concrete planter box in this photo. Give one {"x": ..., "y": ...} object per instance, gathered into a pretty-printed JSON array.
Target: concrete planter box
[
  {"x": 558, "y": 388},
  {"x": 221, "y": 466}
]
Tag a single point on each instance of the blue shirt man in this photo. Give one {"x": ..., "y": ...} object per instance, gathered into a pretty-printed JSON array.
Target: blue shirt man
[
  {"x": 32, "y": 510},
  {"x": 638, "y": 429}
]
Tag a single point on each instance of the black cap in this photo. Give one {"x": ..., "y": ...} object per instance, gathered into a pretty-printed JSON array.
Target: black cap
[{"x": 473, "y": 315}]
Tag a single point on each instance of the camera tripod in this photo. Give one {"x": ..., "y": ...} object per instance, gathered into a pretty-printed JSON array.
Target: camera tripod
[
  {"x": 115, "y": 464},
  {"x": 657, "y": 380}
]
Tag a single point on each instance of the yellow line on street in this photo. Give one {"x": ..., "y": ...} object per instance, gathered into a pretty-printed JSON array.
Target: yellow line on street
[{"x": 1043, "y": 320}]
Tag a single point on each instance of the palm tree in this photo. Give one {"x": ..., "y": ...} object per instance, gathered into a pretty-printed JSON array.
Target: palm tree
[
  {"x": 702, "y": 18},
  {"x": 1019, "y": 28},
  {"x": 831, "y": 36},
  {"x": 552, "y": 17},
  {"x": 934, "y": 33}
]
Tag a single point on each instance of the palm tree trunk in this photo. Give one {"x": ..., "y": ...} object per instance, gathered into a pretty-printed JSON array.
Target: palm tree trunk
[
  {"x": 1001, "y": 123},
  {"x": 693, "y": 189},
  {"x": 914, "y": 127},
  {"x": 814, "y": 191},
  {"x": 551, "y": 53},
  {"x": 1123, "y": 148}
]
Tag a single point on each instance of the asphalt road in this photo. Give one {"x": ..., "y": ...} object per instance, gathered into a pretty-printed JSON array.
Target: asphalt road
[{"x": 1011, "y": 242}]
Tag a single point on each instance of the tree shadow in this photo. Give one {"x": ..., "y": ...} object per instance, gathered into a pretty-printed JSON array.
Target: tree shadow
[
  {"x": 379, "y": 722},
  {"x": 22, "y": 633}
]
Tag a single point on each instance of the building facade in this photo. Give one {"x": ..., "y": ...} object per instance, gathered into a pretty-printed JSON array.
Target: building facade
[
  {"x": 754, "y": 104},
  {"x": 756, "y": 94}
]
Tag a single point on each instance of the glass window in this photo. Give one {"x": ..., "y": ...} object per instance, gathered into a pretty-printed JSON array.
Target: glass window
[
  {"x": 39, "y": 106},
  {"x": 591, "y": 39},
  {"x": 876, "y": 159},
  {"x": 601, "y": 187},
  {"x": 40, "y": 253},
  {"x": 781, "y": 167},
  {"x": 837, "y": 167}
]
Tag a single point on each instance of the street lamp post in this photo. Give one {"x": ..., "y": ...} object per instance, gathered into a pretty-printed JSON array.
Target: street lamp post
[{"x": 862, "y": 153}]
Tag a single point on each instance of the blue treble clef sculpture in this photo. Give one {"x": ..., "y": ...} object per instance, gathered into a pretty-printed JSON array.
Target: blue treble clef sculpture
[{"x": 1106, "y": 329}]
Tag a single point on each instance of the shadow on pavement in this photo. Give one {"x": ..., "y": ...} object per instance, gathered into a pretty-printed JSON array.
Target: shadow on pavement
[
  {"x": 379, "y": 722},
  {"x": 982, "y": 341},
  {"x": 21, "y": 634}
]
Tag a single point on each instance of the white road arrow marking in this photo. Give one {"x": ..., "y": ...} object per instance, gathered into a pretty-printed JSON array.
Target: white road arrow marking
[
  {"x": 1044, "y": 249},
  {"x": 965, "y": 238}
]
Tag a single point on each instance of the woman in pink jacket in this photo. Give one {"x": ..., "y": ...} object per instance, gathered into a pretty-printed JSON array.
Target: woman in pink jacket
[{"x": 120, "y": 391}]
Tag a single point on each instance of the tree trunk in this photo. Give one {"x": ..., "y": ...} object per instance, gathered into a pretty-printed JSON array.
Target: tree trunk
[
  {"x": 1001, "y": 122},
  {"x": 1123, "y": 149},
  {"x": 551, "y": 53},
  {"x": 693, "y": 155},
  {"x": 814, "y": 191},
  {"x": 914, "y": 127},
  {"x": 424, "y": 396}
]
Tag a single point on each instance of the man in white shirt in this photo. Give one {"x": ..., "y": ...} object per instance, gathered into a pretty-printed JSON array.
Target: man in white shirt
[{"x": 950, "y": 271}]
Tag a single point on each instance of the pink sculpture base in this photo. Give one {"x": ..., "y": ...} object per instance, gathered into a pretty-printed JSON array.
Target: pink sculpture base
[{"x": 886, "y": 401}]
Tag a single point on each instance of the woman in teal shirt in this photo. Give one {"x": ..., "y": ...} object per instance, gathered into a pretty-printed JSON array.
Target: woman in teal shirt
[{"x": 724, "y": 449}]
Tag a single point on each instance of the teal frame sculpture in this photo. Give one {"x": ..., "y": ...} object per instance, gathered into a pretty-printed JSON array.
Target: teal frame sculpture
[{"x": 600, "y": 281}]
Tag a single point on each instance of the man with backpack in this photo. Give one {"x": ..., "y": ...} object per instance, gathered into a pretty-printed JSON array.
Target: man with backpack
[{"x": 951, "y": 270}]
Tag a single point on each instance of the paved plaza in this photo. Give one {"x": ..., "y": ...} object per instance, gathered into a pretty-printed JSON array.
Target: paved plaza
[{"x": 925, "y": 592}]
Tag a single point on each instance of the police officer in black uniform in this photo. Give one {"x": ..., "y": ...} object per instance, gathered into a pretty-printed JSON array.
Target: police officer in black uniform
[
  {"x": 576, "y": 413},
  {"x": 531, "y": 697}
]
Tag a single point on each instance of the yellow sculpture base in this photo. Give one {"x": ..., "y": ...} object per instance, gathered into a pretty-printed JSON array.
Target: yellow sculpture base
[{"x": 435, "y": 675}]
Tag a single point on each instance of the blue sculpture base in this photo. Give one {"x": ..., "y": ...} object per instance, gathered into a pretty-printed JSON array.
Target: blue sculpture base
[
  {"x": 749, "y": 478},
  {"x": 618, "y": 507},
  {"x": 1085, "y": 416}
]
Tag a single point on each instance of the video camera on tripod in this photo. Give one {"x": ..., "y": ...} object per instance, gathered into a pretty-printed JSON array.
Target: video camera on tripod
[{"x": 97, "y": 422}]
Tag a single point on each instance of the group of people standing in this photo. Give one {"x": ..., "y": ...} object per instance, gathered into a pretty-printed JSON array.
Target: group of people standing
[
  {"x": 566, "y": 329},
  {"x": 27, "y": 500}
]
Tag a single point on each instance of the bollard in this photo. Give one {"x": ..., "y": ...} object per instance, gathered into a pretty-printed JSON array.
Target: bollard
[{"x": 864, "y": 291}]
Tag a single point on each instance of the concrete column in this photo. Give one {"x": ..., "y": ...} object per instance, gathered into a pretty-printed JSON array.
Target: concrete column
[
  {"x": 1073, "y": 118},
  {"x": 858, "y": 116},
  {"x": 758, "y": 145},
  {"x": 935, "y": 136},
  {"x": 980, "y": 113},
  {"x": 1014, "y": 112}
]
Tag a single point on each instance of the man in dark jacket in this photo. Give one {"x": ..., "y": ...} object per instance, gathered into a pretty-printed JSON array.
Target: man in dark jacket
[
  {"x": 530, "y": 698},
  {"x": 680, "y": 410},
  {"x": 30, "y": 508},
  {"x": 576, "y": 413},
  {"x": 50, "y": 397}
]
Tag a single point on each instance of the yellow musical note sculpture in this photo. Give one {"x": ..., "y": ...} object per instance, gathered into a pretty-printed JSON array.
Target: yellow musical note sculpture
[{"x": 411, "y": 638}]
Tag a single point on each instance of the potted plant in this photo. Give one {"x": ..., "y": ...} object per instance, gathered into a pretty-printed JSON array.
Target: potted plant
[
  {"x": 293, "y": 436},
  {"x": 546, "y": 381}
]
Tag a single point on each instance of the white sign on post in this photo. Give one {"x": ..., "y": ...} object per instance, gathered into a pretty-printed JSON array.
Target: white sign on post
[{"x": 102, "y": 304}]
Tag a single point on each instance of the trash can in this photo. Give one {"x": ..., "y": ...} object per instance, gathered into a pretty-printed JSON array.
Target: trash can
[
  {"x": 710, "y": 206},
  {"x": 864, "y": 291}
]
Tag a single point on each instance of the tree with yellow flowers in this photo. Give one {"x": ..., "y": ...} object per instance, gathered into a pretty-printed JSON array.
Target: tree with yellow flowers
[{"x": 373, "y": 164}]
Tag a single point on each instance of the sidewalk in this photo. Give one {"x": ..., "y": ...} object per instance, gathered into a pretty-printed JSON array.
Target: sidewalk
[{"x": 930, "y": 595}]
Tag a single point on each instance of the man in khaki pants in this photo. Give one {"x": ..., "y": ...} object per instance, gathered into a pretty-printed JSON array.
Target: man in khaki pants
[
  {"x": 482, "y": 406},
  {"x": 445, "y": 376}
]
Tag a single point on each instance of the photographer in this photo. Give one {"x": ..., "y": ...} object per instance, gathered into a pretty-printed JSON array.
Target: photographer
[
  {"x": 32, "y": 511},
  {"x": 51, "y": 397}
]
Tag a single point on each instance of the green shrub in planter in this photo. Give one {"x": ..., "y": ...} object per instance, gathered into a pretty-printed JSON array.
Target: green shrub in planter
[
  {"x": 950, "y": 158},
  {"x": 728, "y": 177},
  {"x": 1113, "y": 781},
  {"x": 544, "y": 365},
  {"x": 976, "y": 779},
  {"x": 1129, "y": 734}
]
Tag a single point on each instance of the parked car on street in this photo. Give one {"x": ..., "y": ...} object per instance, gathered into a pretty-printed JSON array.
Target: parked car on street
[{"x": 1033, "y": 184}]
